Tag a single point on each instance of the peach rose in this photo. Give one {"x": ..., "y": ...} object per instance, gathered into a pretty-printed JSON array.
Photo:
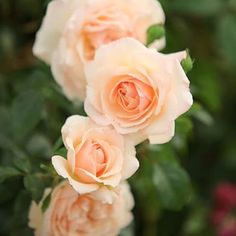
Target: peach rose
[
  {"x": 137, "y": 90},
  {"x": 71, "y": 214},
  {"x": 97, "y": 157},
  {"x": 73, "y": 29}
]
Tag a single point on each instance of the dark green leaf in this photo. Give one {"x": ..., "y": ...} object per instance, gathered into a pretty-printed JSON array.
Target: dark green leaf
[
  {"x": 201, "y": 114},
  {"x": 227, "y": 37},
  {"x": 183, "y": 130},
  {"x": 197, "y": 221},
  {"x": 39, "y": 145},
  {"x": 164, "y": 152},
  {"x": 183, "y": 125},
  {"x": 26, "y": 113},
  {"x": 172, "y": 184},
  {"x": 57, "y": 144},
  {"x": 35, "y": 184},
  {"x": 23, "y": 164},
  {"x": 155, "y": 32},
  {"x": 46, "y": 202},
  {"x": 198, "y": 8},
  {"x": 5, "y": 134},
  {"x": 8, "y": 172},
  {"x": 21, "y": 207},
  {"x": 207, "y": 85},
  {"x": 62, "y": 152}
]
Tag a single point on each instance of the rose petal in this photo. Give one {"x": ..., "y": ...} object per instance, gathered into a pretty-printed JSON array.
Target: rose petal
[{"x": 47, "y": 38}]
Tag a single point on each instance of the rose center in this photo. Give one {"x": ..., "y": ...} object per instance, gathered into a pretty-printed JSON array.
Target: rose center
[
  {"x": 90, "y": 158},
  {"x": 99, "y": 159},
  {"x": 133, "y": 95},
  {"x": 127, "y": 95}
]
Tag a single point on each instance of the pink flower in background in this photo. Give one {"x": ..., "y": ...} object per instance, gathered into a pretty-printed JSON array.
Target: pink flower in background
[
  {"x": 137, "y": 90},
  {"x": 223, "y": 215},
  {"x": 97, "y": 157},
  {"x": 72, "y": 30},
  {"x": 71, "y": 214}
]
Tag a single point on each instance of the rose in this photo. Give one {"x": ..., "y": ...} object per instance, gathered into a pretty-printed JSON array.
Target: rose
[
  {"x": 225, "y": 204},
  {"x": 71, "y": 214},
  {"x": 137, "y": 90},
  {"x": 73, "y": 29},
  {"x": 96, "y": 157}
]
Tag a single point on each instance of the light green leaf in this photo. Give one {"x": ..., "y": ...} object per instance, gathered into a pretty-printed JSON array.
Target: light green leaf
[
  {"x": 155, "y": 32},
  {"x": 187, "y": 63}
]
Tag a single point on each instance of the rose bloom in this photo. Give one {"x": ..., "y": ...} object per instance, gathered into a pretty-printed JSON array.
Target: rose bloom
[
  {"x": 223, "y": 216},
  {"x": 73, "y": 29},
  {"x": 137, "y": 90},
  {"x": 97, "y": 157},
  {"x": 71, "y": 214}
]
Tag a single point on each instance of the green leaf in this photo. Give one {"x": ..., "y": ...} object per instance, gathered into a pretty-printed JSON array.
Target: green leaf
[
  {"x": 26, "y": 113},
  {"x": 164, "y": 152},
  {"x": 62, "y": 152},
  {"x": 8, "y": 172},
  {"x": 208, "y": 88},
  {"x": 46, "y": 202},
  {"x": 5, "y": 124},
  {"x": 183, "y": 125},
  {"x": 39, "y": 145},
  {"x": 23, "y": 164},
  {"x": 187, "y": 63},
  {"x": 155, "y": 32},
  {"x": 21, "y": 207},
  {"x": 57, "y": 144},
  {"x": 128, "y": 231},
  {"x": 198, "y": 8},
  {"x": 172, "y": 184},
  {"x": 197, "y": 221},
  {"x": 201, "y": 114},
  {"x": 232, "y": 5},
  {"x": 183, "y": 130},
  {"x": 35, "y": 184},
  {"x": 227, "y": 37}
]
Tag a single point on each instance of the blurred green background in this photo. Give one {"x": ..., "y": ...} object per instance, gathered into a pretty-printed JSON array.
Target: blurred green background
[{"x": 33, "y": 109}]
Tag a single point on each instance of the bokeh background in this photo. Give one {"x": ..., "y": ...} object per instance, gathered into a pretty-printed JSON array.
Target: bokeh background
[{"x": 184, "y": 188}]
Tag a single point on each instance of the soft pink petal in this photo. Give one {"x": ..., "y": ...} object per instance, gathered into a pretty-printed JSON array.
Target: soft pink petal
[
  {"x": 48, "y": 36},
  {"x": 131, "y": 164},
  {"x": 60, "y": 165},
  {"x": 82, "y": 188}
]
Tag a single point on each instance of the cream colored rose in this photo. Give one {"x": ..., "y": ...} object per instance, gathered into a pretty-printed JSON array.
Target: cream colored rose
[
  {"x": 71, "y": 214},
  {"x": 97, "y": 157},
  {"x": 73, "y": 29},
  {"x": 137, "y": 90}
]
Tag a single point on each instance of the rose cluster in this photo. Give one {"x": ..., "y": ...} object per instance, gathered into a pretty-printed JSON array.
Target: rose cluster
[{"x": 98, "y": 55}]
